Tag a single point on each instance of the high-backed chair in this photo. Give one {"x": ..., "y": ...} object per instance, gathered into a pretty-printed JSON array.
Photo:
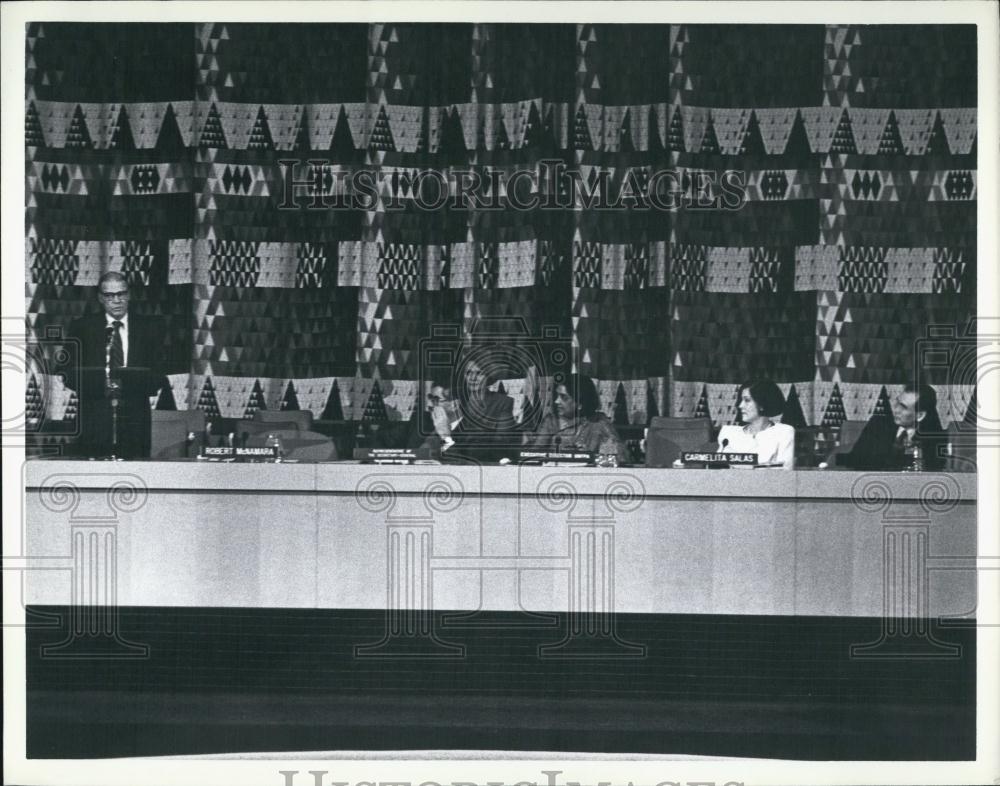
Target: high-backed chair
[
  {"x": 299, "y": 445},
  {"x": 805, "y": 446},
  {"x": 669, "y": 437},
  {"x": 850, "y": 430},
  {"x": 170, "y": 430},
  {"x": 303, "y": 418},
  {"x": 243, "y": 430}
]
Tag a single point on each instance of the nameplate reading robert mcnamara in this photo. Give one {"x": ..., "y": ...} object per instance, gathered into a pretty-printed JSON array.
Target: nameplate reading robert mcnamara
[
  {"x": 733, "y": 459},
  {"x": 219, "y": 452},
  {"x": 265, "y": 453}
]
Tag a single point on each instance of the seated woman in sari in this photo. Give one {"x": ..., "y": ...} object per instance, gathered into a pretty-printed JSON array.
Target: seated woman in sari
[{"x": 575, "y": 422}]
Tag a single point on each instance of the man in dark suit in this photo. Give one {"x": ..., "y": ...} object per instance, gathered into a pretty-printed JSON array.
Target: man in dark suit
[
  {"x": 887, "y": 444},
  {"x": 120, "y": 357}
]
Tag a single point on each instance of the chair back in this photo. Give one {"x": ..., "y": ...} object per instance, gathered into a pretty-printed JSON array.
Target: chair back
[
  {"x": 299, "y": 445},
  {"x": 805, "y": 446},
  {"x": 303, "y": 418},
  {"x": 669, "y": 437},
  {"x": 170, "y": 429},
  {"x": 850, "y": 430}
]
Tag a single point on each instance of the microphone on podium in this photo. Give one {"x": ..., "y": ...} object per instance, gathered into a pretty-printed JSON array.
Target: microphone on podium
[{"x": 723, "y": 445}]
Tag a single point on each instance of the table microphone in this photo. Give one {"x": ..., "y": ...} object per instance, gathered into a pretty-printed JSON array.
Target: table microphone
[{"x": 723, "y": 444}]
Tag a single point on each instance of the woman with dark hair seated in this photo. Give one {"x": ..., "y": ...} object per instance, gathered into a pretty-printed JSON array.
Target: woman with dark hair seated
[
  {"x": 774, "y": 443},
  {"x": 575, "y": 422}
]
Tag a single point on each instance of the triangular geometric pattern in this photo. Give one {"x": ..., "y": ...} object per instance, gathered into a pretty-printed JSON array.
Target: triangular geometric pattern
[
  {"x": 121, "y": 134},
  {"x": 400, "y": 266},
  {"x": 710, "y": 143},
  {"x": 949, "y": 270},
  {"x": 260, "y": 136},
  {"x": 33, "y": 135},
  {"x": 289, "y": 401},
  {"x": 752, "y": 144},
  {"x": 636, "y": 265},
  {"x": 256, "y": 401},
  {"x": 137, "y": 262},
  {"x": 313, "y": 266},
  {"x": 883, "y": 407},
  {"x": 207, "y": 401},
  {"x": 234, "y": 264},
  {"x": 890, "y": 143},
  {"x": 169, "y": 141},
  {"x": 701, "y": 410},
  {"x": 381, "y": 138},
  {"x": 675, "y": 134},
  {"x": 688, "y": 267},
  {"x": 863, "y": 270},
  {"x": 857, "y": 228},
  {"x": 34, "y": 406},
  {"x": 587, "y": 259},
  {"x": 793, "y": 414},
  {"x": 937, "y": 142},
  {"x": 333, "y": 409},
  {"x": 843, "y": 137},
  {"x": 212, "y": 135},
  {"x": 834, "y": 414},
  {"x": 53, "y": 261},
  {"x": 79, "y": 136},
  {"x": 770, "y": 270},
  {"x": 375, "y": 406}
]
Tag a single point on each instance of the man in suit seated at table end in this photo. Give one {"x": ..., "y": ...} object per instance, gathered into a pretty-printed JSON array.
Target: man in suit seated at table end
[{"x": 886, "y": 443}]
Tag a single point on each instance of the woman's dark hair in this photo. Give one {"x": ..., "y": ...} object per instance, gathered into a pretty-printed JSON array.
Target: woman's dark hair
[
  {"x": 766, "y": 395},
  {"x": 584, "y": 393}
]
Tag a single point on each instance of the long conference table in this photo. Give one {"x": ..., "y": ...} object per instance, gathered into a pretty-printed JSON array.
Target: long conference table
[
  {"x": 347, "y": 535},
  {"x": 197, "y": 607}
]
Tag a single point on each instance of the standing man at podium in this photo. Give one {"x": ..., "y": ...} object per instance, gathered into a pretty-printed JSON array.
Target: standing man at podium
[{"x": 119, "y": 355}]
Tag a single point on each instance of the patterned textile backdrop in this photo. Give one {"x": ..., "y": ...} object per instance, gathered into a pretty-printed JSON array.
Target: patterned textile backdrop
[{"x": 154, "y": 149}]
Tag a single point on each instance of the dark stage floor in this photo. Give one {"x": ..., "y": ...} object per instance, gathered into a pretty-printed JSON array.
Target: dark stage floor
[{"x": 233, "y": 680}]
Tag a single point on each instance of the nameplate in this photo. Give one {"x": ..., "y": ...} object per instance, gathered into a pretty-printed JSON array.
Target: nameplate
[
  {"x": 555, "y": 458},
  {"x": 385, "y": 455},
  {"x": 732, "y": 459},
  {"x": 263, "y": 453},
  {"x": 221, "y": 452}
]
